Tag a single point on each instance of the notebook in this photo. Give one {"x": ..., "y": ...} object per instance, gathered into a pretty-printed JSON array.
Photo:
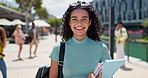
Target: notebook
[{"x": 109, "y": 67}]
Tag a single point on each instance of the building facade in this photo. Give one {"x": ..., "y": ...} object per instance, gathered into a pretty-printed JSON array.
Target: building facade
[{"x": 130, "y": 12}]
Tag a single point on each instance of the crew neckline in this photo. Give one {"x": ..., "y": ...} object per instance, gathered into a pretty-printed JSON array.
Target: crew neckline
[{"x": 80, "y": 42}]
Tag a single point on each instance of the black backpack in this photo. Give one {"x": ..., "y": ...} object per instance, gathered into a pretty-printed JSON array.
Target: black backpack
[{"x": 43, "y": 72}]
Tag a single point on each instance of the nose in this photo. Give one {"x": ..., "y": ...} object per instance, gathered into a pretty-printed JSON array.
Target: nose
[{"x": 79, "y": 22}]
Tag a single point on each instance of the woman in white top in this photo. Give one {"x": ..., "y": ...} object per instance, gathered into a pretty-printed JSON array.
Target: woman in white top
[{"x": 121, "y": 36}]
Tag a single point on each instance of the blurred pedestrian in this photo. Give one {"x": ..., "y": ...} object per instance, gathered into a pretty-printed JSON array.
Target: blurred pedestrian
[
  {"x": 33, "y": 32},
  {"x": 19, "y": 39},
  {"x": 121, "y": 36},
  {"x": 3, "y": 68},
  {"x": 50, "y": 30},
  {"x": 83, "y": 47}
]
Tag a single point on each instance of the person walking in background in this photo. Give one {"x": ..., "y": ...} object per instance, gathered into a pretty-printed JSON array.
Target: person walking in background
[
  {"x": 33, "y": 33},
  {"x": 3, "y": 68},
  {"x": 83, "y": 47},
  {"x": 51, "y": 30},
  {"x": 19, "y": 39},
  {"x": 121, "y": 36}
]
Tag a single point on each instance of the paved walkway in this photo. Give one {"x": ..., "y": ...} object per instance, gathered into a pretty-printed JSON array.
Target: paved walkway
[{"x": 27, "y": 67}]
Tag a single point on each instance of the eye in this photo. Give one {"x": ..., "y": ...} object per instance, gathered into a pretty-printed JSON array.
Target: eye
[
  {"x": 84, "y": 19},
  {"x": 74, "y": 19}
]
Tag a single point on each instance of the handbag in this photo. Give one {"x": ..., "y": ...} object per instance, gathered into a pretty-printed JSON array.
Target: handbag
[
  {"x": 43, "y": 72},
  {"x": 29, "y": 39}
]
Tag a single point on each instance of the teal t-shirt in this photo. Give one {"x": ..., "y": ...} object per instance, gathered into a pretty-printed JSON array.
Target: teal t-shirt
[{"x": 81, "y": 57}]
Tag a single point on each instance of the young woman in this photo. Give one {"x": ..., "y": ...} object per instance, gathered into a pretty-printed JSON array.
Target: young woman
[
  {"x": 19, "y": 39},
  {"x": 121, "y": 36},
  {"x": 33, "y": 33},
  {"x": 83, "y": 47},
  {"x": 3, "y": 68}
]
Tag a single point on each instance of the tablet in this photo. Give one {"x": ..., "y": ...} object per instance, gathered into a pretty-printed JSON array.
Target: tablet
[{"x": 109, "y": 67}]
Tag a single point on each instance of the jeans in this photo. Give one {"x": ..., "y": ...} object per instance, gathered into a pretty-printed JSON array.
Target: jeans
[{"x": 3, "y": 68}]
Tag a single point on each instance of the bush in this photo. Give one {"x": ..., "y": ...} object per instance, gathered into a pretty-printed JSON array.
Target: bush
[
  {"x": 145, "y": 24},
  {"x": 146, "y": 38}
]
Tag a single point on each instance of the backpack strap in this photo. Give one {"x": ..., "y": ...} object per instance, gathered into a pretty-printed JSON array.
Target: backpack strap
[{"x": 61, "y": 59}]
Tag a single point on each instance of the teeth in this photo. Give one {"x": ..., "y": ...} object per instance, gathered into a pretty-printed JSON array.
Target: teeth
[{"x": 79, "y": 27}]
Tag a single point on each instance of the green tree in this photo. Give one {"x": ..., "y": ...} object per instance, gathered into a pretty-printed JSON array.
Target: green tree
[
  {"x": 42, "y": 13},
  {"x": 27, "y": 5},
  {"x": 59, "y": 21},
  {"x": 145, "y": 24},
  {"x": 52, "y": 22}
]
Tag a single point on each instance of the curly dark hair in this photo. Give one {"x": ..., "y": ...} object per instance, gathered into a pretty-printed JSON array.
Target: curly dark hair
[{"x": 94, "y": 29}]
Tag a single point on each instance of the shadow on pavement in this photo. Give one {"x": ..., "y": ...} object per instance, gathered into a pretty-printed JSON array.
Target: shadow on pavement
[
  {"x": 31, "y": 57},
  {"x": 20, "y": 59},
  {"x": 17, "y": 60},
  {"x": 126, "y": 68}
]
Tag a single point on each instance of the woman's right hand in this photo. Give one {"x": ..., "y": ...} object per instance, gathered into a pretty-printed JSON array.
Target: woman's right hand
[{"x": 91, "y": 75}]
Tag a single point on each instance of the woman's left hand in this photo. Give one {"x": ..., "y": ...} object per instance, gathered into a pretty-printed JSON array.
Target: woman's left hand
[{"x": 91, "y": 75}]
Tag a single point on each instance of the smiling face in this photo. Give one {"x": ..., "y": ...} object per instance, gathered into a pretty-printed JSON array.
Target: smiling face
[{"x": 79, "y": 23}]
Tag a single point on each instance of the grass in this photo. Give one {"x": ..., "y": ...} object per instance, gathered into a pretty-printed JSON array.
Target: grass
[
  {"x": 139, "y": 40},
  {"x": 143, "y": 40}
]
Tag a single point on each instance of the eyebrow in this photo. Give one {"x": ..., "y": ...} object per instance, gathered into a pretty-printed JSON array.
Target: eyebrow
[{"x": 76, "y": 17}]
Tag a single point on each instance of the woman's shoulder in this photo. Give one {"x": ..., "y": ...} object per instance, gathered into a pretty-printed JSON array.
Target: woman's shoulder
[
  {"x": 123, "y": 29},
  {"x": 57, "y": 45},
  {"x": 14, "y": 32}
]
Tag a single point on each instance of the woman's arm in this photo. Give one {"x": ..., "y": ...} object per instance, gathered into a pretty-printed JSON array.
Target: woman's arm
[
  {"x": 124, "y": 35},
  {"x": 53, "y": 73},
  {"x": 14, "y": 33}
]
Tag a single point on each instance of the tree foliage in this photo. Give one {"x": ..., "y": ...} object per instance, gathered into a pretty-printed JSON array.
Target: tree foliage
[
  {"x": 42, "y": 13},
  {"x": 25, "y": 5},
  {"x": 52, "y": 22},
  {"x": 145, "y": 24}
]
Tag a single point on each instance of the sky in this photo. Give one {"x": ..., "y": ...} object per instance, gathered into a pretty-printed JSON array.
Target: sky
[{"x": 56, "y": 7}]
